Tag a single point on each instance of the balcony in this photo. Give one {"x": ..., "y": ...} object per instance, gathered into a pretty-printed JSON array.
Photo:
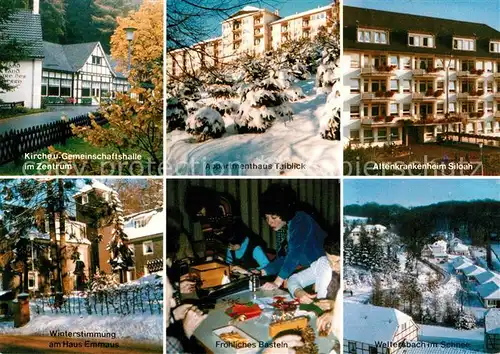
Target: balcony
[
  {"x": 474, "y": 74},
  {"x": 380, "y": 71},
  {"x": 236, "y": 27},
  {"x": 379, "y": 96},
  {"x": 469, "y": 96},
  {"x": 306, "y": 25},
  {"x": 258, "y": 34},
  {"x": 496, "y": 75},
  {"x": 429, "y": 95},
  {"x": 471, "y": 115},
  {"x": 380, "y": 121},
  {"x": 258, "y": 23},
  {"x": 431, "y": 72},
  {"x": 496, "y": 96}
]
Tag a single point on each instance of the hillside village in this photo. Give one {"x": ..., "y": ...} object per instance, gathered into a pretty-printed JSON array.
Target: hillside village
[{"x": 449, "y": 293}]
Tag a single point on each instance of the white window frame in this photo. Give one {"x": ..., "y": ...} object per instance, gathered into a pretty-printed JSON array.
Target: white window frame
[
  {"x": 418, "y": 40},
  {"x": 464, "y": 44},
  {"x": 145, "y": 245},
  {"x": 495, "y": 45},
  {"x": 372, "y": 36}
]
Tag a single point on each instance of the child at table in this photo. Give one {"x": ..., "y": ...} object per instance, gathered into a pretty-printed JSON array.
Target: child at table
[{"x": 245, "y": 253}]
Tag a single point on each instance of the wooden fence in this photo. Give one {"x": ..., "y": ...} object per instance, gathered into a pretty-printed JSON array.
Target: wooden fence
[{"x": 15, "y": 143}]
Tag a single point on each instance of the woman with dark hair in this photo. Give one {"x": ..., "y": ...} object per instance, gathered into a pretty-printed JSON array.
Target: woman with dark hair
[
  {"x": 245, "y": 252},
  {"x": 304, "y": 242}
]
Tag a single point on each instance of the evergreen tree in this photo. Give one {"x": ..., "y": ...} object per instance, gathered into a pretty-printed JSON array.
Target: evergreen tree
[
  {"x": 53, "y": 17},
  {"x": 465, "y": 321},
  {"x": 377, "y": 293}
]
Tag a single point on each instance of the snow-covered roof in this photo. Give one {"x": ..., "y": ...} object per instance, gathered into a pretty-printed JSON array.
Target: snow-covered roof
[
  {"x": 473, "y": 270},
  {"x": 153, "y": 222},
  {"x": 460, "y": 247},
  {"x": 94, "y": 185},
  {"x": 492, "y": 321},
  {"x": 302, "y": 14},
  {"x": 440, "y": 243},
  {"x": 489, "y": 290},
  {"x": 370, "y": 324},
  {"x": 461, "y": 262},
  {"x": 486, "y": 276}
]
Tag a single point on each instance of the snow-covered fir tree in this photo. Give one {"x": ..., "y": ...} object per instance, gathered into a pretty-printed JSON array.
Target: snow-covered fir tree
[
  {"x": 120, "y": 256},
  {"x": 328, "y": 72},
  {"x": 263, "y": 98},
  {"x": 465, "y": 320},
  {"x": 176, "y": 114},
  {"x": 181, "y": 97}
]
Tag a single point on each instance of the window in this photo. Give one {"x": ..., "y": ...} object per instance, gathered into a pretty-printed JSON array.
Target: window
[
  {"x": 355, "y": 60},
  {"x": 354, "y": 112},
  {"x": 147, "y": 247},
  {"x": 354, "y": 135},
  {"x": 489, "y": 107},
  {"x": 407, "y": 109},
  {"x": 420, "y": 40},
  {"x": 452, "y": 86},
  {"x": 488, "y": 66},
  {"x": 372, "y": 350},
  {"x": 440, "y": 108},
  {"x": 394, "y": 85},
  {"x": 464, "y": 44},
  {"x": 406, "y": 62},
  {"x": 372, "y": 36},
  {"x": 86, "y": 89},
  {"x": 440, "y": 85},
  {"x": 45, "y": 82},
  {"x": 394, "y": 109},
  {"x": 65, "y": 88},
  {"x": 256, "y": 42},
  {"x": 32, "y": 281},
  {"x": 451, "y": 107},
  {"x": 382, "y": 134},
  {"x": 393, "y": 60},
  {"x": 351, "y": 347},
  {"x": 368, "y": 134},
  {"x": 85, "y": 199},
  {"x": 439, "y": 63},
  {"x": 354, "y": 85},
  {"x": 96, "y": 60},
  {"x": 54, "y": 87},
  {"x": 406, "y": 85},
  {"x": 494, "y": 47},
  {"x": 138, "y": 223},
  {"x": 424, "y": 63},
  {"x": 378, "y": 85},
  {"x": 480, "y": 108}
]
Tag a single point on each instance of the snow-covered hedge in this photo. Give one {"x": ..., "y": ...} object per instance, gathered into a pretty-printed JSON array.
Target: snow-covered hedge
[
  {"x": 206, "y": 123},
  {"x": 330, "y": 118}
]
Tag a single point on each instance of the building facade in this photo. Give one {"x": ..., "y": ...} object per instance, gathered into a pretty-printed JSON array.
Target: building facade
[
  {"x": 79, "y": 73},
  {"x": 145, "y": 240},
  {"x": 252, "y": 31},
  {"x": 408, "y": 78}
]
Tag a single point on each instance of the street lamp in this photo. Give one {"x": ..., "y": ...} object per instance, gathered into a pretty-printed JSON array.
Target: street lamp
[
  {"x": 32, "y": 238},
  {"x": 481, "y": 152},
  {"x": 129, "y": 31}
]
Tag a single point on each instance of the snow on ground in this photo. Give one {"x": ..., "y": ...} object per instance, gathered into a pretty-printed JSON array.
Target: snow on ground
[
  {"x": 436, "y": 334},
  {"x": 298, "y": 141},
  {"x": 357, "y": 219},
  {"x": 440, "y": 350},
  {"x": 138, "y": 327}
]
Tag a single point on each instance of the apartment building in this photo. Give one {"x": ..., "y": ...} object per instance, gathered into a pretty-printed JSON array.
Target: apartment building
[
  {"x": 408, "y": 78},
  {"x": 251, "y": 30},
  {"x": 304, "y": 24}
]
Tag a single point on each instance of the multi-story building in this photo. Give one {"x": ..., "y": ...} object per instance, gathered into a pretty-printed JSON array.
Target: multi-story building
[
  {"x": 408, "y": 78},
  {"x": 253, "y": 31},
  {"x": 304, "y": 24}
]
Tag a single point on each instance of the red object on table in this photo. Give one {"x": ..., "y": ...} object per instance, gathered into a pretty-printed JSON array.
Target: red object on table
[{"x": 242, "y": 309}]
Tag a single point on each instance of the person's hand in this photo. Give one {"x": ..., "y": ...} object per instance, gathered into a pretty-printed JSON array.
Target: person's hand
[
  {"x": 238, "y": 269},
  {"x": 187, "y": 286},
  {"x": 325, "y": 304},
  {"x": 324, "y": 322},
  {"x": 189, "y": 276},
  {"x": 270, "y": 286},
  {"x": 285, "y": 344},
  {"x": 304, "y": 297},
  {"x": 193, "y": 318},
  {"x": 180, "y": 311}
]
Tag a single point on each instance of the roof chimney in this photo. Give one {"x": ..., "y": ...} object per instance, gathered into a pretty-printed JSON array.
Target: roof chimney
[{"x": 36, "y": 7}]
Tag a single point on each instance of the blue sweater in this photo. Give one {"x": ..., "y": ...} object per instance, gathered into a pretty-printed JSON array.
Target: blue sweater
[{"x": 305, "y": 245}]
